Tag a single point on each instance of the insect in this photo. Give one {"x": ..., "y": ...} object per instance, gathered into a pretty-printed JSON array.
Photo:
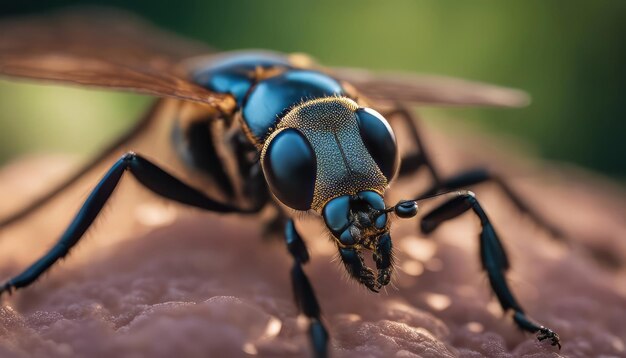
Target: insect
[{"x": 268, "y": 129}]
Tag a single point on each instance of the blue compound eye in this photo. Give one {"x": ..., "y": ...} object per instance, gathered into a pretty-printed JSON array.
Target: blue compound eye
[
  {"x": 290, "y": 168},
  {"x": 379, "y": 140}
]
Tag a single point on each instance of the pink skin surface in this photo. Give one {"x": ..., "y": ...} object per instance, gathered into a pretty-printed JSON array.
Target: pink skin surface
[{"x": 155, "y": 280}]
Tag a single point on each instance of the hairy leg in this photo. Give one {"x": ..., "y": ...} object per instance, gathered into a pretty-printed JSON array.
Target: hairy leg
[
  {"x": 148, "y": 174},
  {"x": 414, "y": 161},
  {"x": 479, "y": 176}
]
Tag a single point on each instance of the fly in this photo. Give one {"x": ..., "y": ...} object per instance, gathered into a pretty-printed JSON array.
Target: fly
[{"x": 295, "y": 135}]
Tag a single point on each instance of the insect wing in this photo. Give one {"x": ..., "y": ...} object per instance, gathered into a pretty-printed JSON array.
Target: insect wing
[
  {"x": 104, "y": 48},
  {"x": 430, "y": 90}
]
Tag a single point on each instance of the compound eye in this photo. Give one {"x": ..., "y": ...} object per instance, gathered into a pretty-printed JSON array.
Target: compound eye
[
  {"x": 289, "y": 166},
  {"x": 379, "y": 140}
]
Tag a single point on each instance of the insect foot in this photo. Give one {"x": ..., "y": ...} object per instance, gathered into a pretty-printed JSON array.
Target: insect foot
[
  {"x": 7, "y": 288},
  {"x": 546, "y": 333}
]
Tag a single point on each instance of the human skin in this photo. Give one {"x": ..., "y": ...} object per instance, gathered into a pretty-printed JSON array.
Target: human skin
[{"x": 156, "y": 280}]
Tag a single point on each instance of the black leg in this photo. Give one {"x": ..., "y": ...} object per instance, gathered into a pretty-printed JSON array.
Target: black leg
[
  {"x": 148, "y": 174},
  {"x": 478, "y": 176},
  {"x": 303, "y": 291},
  {"x": 493, "y": 257},
  {"x": 413, "y": 161}
]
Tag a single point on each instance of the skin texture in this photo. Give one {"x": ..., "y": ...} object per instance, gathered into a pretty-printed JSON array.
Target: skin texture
[{"x": 156, "y": 280}]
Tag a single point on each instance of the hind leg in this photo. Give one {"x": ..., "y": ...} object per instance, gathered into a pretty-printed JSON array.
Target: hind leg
[
  {"x": 414, "y": 161},
  {"x": 479, "y": 176}
]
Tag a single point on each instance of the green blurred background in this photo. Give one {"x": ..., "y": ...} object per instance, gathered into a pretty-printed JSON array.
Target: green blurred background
[{"x": 569, "y": 55}]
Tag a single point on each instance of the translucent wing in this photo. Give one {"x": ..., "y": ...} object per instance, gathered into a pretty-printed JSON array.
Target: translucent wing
[
  {"x": 100, "y": 47},
  {"x": 427, "y": 89}
]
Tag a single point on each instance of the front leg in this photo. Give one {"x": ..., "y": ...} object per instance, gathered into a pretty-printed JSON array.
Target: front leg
[
  {"x": 150, "y": 176},
  {"x": 303, "y": 291}
]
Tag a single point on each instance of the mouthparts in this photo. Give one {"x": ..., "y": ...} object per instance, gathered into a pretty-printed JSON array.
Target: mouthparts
[{"x": 360, "y": 222}]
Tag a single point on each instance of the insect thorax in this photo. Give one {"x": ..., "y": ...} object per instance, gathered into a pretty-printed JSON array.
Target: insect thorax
[{"x": 344, "y": 165}]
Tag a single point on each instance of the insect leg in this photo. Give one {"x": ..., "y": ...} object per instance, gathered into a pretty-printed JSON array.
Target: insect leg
[
  {"x": 303, "y": 291},
  {"x": 478, "y": 176},
  {"x": 137, "y": 129},
  {"x": 493, "y": 257},
  {"x": 413, "y": 161},
  {"x": 148, "y": 174}
]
